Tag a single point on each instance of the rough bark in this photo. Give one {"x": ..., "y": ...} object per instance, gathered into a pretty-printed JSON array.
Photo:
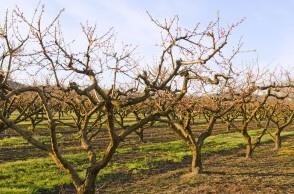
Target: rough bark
[
  {"x": 228, "y": 126},
  {"x": 196, "y": 165},
  {"x": 89, "y": 186},
  {"x": 249, "y": 147},
  {"x": 278, "y": 141}
]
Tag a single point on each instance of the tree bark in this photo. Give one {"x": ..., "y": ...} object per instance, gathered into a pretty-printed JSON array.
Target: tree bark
[
  {"x": 249, "y": 147},
  {"x": 196, "y": 165},
  {"x": 89, "y": 186},
  {"x": 278, "y": 141},
  {"x": 249, "y": 151},
  {"x": 228, "y": 126}
]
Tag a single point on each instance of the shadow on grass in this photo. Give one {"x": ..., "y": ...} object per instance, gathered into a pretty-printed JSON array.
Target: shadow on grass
[
  {"x": 256, "y": 174},
  {"x": 46, "y": 191},
  {"x": 104, "y": 180},
  {"x": 163, "y": 166},
  {"x": 118, "y": 177}
]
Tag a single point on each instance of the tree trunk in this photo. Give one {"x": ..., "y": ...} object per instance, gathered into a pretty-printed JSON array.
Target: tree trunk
[
  {"x": 278, "y": 141},
  {"x": 140, "y": 133},
  {"x": 249, "y": 147},
  {"x": 228, "y": 126},
  {"x": 249, "y": 150},
  {"x": 89, "y": 185},
  {"x": 196, "y": 165}
]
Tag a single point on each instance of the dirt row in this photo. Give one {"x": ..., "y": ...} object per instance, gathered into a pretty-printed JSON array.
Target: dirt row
[
  {"x": 228, "y": 172},
  {"x": 151, "y": 135}
]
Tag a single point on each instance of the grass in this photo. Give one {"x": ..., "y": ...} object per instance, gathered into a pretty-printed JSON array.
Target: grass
[
  {"x": 267, "y": 172},
  {"x": 68, "y": 119},
  {"x": 31, "y": 175},
  {"x": 18, "y": 142}
]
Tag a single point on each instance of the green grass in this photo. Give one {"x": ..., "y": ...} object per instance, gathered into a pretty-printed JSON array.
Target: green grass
[
  {"x": 31, "y": 175},
  {"x": 28, "y": 176},
  {"x": 12, "y": 142},
  {"x": 18, "y": 142},
  {"x": 68, "y": 119}
]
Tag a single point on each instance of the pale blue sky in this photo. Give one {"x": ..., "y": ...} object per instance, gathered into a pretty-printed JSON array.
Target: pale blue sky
[{"x": 269, "y": 27}]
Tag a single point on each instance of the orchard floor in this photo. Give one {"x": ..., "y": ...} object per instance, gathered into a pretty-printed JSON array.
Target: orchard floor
[{"x": 267, "y": 172}]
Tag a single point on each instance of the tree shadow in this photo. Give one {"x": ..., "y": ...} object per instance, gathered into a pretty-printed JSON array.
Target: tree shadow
[
  {"x": 117, "y": 177},
  {"x": 256, "y": 174}
]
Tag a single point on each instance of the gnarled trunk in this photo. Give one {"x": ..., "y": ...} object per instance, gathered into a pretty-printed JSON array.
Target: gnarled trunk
[
  {"x": 196, "y": 165},
  {"x": 228, "y": 126},
  {"x": 88, "y": 186},
  {"x": 249, "y": 147},
  {"x": 278, "y": 140},
  {"x": 249, "y": 150}
]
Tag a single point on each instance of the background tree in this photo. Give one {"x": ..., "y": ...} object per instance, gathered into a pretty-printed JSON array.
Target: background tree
[{"x": 282, "y": 116}]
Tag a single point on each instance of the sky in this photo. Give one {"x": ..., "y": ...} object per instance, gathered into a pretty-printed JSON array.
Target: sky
[{"x": 268, "y": 28}]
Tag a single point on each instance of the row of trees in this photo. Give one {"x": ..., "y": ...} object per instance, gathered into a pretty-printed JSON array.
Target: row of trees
[{"x": 193, "y": 78}]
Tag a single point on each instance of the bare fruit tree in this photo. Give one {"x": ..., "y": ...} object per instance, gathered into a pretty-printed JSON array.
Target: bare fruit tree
[
  {"x": 99, "y": 84},
  {"x": 282, "y": 116},
  {"x": 74, "y": 78}
]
